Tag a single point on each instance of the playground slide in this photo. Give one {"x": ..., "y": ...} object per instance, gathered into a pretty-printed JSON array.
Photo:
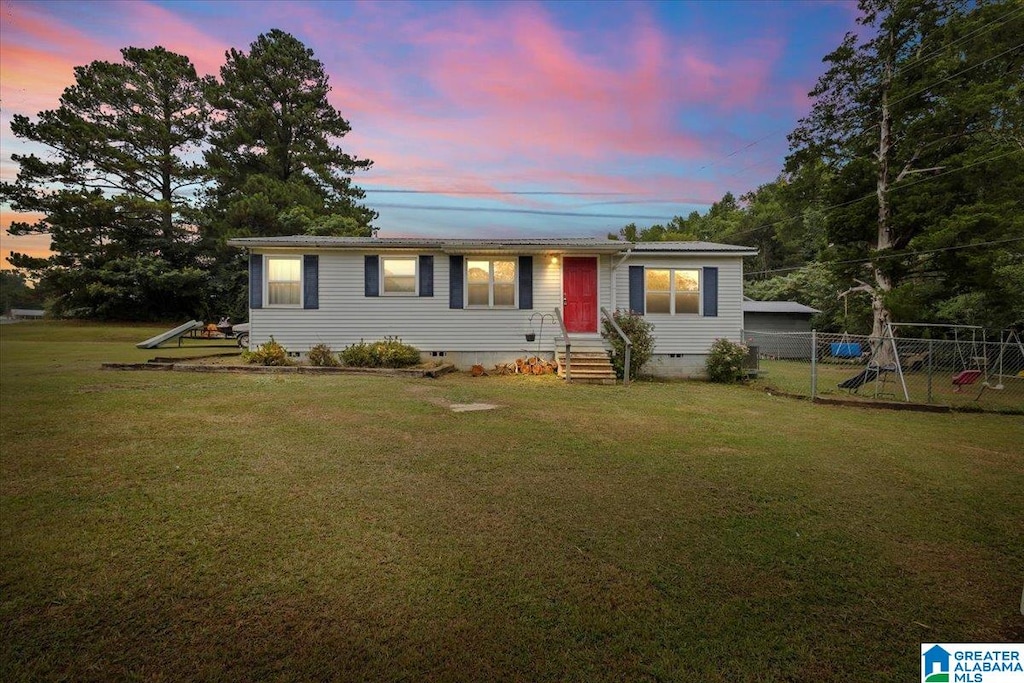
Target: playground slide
[
  {"x": 859, "y": 380},
  {"x": 159, "y": 339}
]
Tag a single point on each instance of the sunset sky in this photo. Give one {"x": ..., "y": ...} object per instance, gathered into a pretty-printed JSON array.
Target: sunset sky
[{"x": 489, "y": 118}]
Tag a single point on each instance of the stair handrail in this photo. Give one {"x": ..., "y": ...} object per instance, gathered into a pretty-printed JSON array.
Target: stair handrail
[
  {"x": 629, "y": 345},
  {"x": 568, "y": 346}
]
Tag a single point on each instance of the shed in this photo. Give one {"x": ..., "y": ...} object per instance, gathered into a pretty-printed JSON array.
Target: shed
[{"x": 778, "y": 328}]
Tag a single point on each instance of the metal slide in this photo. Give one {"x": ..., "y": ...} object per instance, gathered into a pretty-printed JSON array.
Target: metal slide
[{"x": 171, "y": 334}]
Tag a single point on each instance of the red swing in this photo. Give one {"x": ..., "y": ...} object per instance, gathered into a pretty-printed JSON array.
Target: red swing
[{"x": 965, "y": 378}]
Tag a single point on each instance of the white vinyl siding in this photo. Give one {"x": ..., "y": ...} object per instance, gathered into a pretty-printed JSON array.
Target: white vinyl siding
[
  {"x": 346, "y": 315},
  {"x": 690, "y": 334}
]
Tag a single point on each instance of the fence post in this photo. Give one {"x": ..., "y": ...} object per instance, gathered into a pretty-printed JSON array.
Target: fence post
[
  {"x": 931, "y": 361},
  {"x": 814, "y": 364}
]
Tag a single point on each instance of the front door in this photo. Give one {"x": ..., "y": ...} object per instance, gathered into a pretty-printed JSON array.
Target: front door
[{"x": 579, "y": 293}]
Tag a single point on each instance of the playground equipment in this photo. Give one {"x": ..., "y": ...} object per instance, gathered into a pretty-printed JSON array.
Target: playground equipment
[
  {"x": 223, "y": 330},
  {"x": 971, "y": 354},
  {"x": 1006, "y": 339},
  {"x": 177, "y": 333},
  {"x": 883, "y": 365}
]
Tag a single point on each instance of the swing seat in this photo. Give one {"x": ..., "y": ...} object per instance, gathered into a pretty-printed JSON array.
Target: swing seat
[{"x": 965, "y": 378}]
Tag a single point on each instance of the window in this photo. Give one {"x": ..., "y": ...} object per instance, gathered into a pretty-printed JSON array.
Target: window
[
  {"x": 284, "y": 280},
  {"x": 491, "y": 283},
  {"x": 673, "y": 291},
  {"x": 398, "y": 275}
]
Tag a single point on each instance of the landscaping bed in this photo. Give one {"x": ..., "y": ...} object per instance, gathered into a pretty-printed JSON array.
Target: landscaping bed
[{"x": 229, "y": 363}]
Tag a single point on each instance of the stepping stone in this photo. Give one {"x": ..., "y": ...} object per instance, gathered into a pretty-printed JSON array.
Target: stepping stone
[{"x": 470, "y": 407}]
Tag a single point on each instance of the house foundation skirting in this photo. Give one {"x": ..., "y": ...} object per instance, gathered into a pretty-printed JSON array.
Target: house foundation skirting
[
  {"x": 464, "y": 360},
  {"x": 676, "y": 365}
]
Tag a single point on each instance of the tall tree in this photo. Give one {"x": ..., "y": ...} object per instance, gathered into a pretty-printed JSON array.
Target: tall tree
[
  {"x": 274, "y": 155},
  {"x": 919, "y": 125},
  {"x": 117, "y": 189}
]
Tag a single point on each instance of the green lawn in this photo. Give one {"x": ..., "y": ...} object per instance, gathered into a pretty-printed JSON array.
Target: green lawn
[{"x": 172, "y": 526}]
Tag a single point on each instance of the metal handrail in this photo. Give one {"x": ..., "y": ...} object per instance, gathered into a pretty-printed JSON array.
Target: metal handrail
[
  {"x": 629, "y": 345},
  {"x": 568, "y": 346}
]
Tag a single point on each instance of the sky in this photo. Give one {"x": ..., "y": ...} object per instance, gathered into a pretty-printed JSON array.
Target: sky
[{"x": 487, "y": 119}]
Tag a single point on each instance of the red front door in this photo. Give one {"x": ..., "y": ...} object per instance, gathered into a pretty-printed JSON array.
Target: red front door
[{"x": 579, "y": 293}]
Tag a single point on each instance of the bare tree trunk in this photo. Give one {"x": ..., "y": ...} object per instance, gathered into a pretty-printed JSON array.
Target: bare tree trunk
[{"x": 880, "y": 314}]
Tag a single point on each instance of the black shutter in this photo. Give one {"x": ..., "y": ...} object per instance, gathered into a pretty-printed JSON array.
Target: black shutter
[
  {"x": 311, "y": 281},
  {"x": 255, "y": 280},
  {"x": 525, "y": 282},
  {"x": 711, "y": 291},
  {"x": 426, "y": 276},
  {"x": 636, "y": 289},
  {"x": 371, "y": 276},
  {"x": 455, "y": 279}
]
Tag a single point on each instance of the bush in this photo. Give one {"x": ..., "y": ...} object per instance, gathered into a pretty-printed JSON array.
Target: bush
[
  {"x": 270, "y": 353},
  {"x": 389, "y": 353},
  {"x": 725, "y": 361},
  {"x": 322, "y": 356},
  {"x": 640, "y": 331}
]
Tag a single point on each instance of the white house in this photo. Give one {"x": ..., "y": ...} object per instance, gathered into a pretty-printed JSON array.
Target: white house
[{"x": 471, "y": 300}]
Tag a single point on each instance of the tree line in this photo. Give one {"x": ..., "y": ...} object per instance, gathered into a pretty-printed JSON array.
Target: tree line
[
  {"x": 149, "y": 169},
  {"x": 904, "y": 185}
]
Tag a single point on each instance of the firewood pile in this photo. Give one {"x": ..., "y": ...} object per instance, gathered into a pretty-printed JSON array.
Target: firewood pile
[{"x": 520, "y": 366}]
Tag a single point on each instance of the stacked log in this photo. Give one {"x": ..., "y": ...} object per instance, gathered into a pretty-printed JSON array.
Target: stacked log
[{"x": 531, "y": 365}]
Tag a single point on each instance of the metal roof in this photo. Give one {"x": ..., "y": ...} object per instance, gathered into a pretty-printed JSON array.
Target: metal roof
[
  {"x": 777, "y": 307},
  {"x": 693, "y": 247},
  {"x": 583, "y": 244}
]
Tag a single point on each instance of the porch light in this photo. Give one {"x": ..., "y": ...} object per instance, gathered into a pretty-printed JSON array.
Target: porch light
[{"x": 554, "y": 260}]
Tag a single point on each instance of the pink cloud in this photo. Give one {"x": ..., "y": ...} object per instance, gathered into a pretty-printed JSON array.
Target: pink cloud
[
  {"x": 154, "y": 25},
  {"x": 510, "y": 84},
  {"x": 37, "y": 59}
]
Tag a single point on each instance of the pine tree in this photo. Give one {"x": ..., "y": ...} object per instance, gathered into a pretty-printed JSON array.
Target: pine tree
[
  {"x": 273, "y": 156},
  {"x": 117, "y": 189}
]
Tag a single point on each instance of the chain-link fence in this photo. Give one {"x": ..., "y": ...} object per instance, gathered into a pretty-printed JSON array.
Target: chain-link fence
[{"x": 956, "y": 373}]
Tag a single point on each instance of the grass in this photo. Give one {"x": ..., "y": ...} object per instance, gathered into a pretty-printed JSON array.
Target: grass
[
  {"x": 159, "y": 526},
  {"x": 794, "y": 377}
]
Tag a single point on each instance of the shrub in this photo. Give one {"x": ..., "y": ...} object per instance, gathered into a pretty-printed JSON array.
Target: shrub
[
  {"x": 640, "y": 331},
  {"x": 270, "y": 353},
  {"x": 725, "y": 361},
  {"x": 388, "y": 353},
  {"x": 322, "y": 356}
]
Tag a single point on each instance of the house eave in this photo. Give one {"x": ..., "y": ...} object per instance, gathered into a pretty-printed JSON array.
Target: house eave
[{"x": 492, "y": 246}]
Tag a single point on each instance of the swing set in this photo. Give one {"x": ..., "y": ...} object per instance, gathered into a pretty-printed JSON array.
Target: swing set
[
  {"x": 972, "y": 355},
  {"x": 883, "y": 366},
  {"x": 974, "y": 364}
]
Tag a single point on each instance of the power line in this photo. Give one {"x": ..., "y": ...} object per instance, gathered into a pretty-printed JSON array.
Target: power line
[
  {"x": 918, "y": 61},
  {"x": 557, "y": 193},
  {"x": 882, "y": 257},
  {"x": 873, "y": 194},
  {"x": 914, "y": 62},
  {"x": 958, "y": 73},
  {"x": 984, "y": 27},
  {"x": 534, "y": 212}
]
